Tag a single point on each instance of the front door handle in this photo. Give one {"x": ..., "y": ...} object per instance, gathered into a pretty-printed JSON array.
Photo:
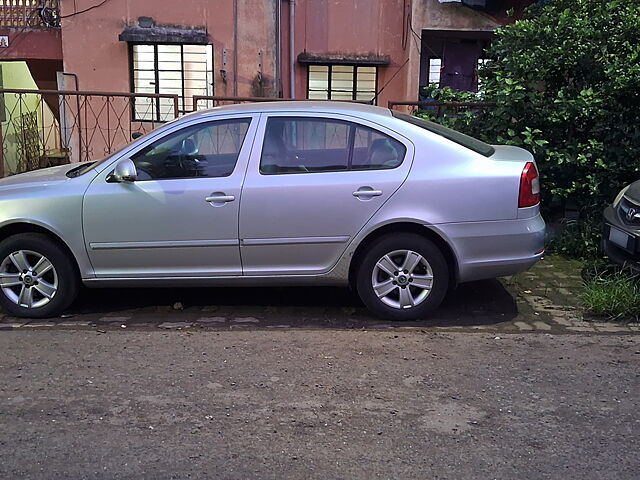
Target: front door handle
[
  {"x": 220, "y": 198},
  {"x": 367, "y": 193}
]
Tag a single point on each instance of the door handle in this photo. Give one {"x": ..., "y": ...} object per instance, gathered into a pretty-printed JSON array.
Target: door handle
[
  {"x": 367, "y": 193},
  {"x": 220, "y": 198}
]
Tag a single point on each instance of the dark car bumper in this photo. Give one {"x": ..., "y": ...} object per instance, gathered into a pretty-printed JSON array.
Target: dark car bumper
[{"x": 620, "y": 242}]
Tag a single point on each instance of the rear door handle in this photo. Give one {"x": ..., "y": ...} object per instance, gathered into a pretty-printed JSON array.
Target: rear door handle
[
  {"x": 367, "y": 193},
  {"x": 220, "y": 198}
]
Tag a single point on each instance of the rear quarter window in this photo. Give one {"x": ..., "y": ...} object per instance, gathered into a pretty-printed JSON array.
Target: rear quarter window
[{"x": 471, "y": 143}]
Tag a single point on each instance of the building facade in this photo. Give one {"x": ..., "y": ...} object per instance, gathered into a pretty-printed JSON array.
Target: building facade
[{"x": 365, "y": 50}]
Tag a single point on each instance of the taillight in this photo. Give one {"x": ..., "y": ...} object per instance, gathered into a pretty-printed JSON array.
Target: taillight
[{"x": 529, "y": 186}]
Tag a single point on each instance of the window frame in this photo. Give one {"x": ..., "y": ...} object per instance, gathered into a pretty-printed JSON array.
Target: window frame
[
  {"x": 354, "y": 91},
  {"x": 181, "y": 98},
  {"x": 353, "y": 126}
]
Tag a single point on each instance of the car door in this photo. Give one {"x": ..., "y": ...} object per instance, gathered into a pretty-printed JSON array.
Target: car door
[
  {"x": 313, "y": 182},
  {"x": 180, "y": 217}
]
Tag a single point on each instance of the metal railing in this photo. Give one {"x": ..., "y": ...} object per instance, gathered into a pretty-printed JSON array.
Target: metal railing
[
  {"x": 41, "y": 128},
  {"x": 46, "y": 127},
  {"x": 30, "y": 13},
  {"x": 207, "y": 101},
  {"x": 439, "y": 109}
]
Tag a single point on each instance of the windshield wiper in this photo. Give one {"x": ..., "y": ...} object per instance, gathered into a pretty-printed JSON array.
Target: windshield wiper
[{"x": 79, "y": 170}]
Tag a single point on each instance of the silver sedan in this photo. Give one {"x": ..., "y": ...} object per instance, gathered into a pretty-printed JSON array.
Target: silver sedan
[{"x": 286, "y": 193}]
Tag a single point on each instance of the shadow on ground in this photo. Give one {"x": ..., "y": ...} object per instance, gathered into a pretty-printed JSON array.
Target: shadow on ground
[{"x": 478, "y": 303}]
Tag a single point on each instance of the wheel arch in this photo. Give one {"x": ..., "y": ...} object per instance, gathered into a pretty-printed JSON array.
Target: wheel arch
[
  {"x": 16, "y": 228},
  {"x": 405, "y": 227}
]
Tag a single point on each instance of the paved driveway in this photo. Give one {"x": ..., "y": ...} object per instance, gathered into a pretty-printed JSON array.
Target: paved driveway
[
  {"x": 324, "y": 403},
  {"x": 505, "y": 381}
]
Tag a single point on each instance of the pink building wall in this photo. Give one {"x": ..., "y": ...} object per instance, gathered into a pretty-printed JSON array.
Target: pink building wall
[{"x": 91, "y": 48}]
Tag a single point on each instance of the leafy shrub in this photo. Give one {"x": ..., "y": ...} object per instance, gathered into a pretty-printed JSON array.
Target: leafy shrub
[
  {"x": 565, "y": 82},
  {"x": 577, "y": 239}
]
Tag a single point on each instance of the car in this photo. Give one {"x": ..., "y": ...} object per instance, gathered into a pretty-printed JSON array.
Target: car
[
  {"x": 284, "y": 193},
  {"x": 621, "y": 239}
]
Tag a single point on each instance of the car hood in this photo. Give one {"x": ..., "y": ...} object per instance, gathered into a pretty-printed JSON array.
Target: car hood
[
  {"x": 42, "y": 177},
  {"x": 634, "y": 191}
]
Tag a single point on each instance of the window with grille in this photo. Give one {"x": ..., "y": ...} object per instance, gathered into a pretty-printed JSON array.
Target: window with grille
[
  {"x": 435, "y": 67},
  {"x": 481, "y": 62},
  {"x": 342, "y": 82},
  {"x": 183, "y": 70}
]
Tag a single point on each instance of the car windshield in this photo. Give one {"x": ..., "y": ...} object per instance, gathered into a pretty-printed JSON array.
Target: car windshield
[{"x": 457, "y": 137}]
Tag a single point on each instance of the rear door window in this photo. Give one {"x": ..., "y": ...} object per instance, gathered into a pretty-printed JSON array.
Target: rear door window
[{"x": 308, "y": 145}]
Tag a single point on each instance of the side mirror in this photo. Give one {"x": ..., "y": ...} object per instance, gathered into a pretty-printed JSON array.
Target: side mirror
[
  {"x": 136, "y": 135},
  {"x": 125, "y": 171}
]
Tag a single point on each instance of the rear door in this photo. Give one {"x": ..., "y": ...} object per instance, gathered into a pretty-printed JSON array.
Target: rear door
[{"x": 312, "y": 183}]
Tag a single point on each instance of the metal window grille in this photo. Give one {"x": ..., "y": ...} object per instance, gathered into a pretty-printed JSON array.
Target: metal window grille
[
  {"x": 342, "y": 82},
  {"x": 183, "y": 70},
  {"x": 435, "y": 69}
]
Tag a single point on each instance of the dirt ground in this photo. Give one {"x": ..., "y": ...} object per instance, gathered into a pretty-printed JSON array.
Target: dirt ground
[{"x": 320, "y": 403}]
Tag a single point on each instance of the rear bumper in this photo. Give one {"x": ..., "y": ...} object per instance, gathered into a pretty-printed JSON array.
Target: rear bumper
[{"x": 495, "y": 249}]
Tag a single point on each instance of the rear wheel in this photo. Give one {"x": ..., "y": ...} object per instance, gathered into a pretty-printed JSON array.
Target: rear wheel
[
  {"x": 402, "y": 277},
  {"x": 37, "y": 277}
]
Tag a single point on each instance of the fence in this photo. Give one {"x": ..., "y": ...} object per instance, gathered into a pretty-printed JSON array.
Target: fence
[
  {"x": 204, "y": 101},
  {"x": 439, "y": 109},
  {"x": 46, "y": 127},
  {"x": 30, "y": 13},
  {"x": 41, "y": 128}
]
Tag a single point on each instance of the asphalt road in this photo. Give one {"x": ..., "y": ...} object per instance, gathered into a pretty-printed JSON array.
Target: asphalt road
[{"x": 317, "y": 403}]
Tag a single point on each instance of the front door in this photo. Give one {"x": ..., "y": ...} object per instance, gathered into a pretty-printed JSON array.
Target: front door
[
  {"x": 313, "y": 184},
  {"x": 180, "y": 217}
]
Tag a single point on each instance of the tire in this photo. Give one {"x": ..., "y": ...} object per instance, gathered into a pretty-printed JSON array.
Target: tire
[
  {"x": 413, "y": 295},
  {"x": 50, "y": 283}
]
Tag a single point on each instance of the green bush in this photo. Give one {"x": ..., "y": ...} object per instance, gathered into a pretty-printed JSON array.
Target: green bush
[
  {"x": 565, "y": 82},
  {"x": 577, "y": 239}
]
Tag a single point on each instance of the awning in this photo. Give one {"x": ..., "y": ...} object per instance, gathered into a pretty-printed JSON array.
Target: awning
[
  {"x": 149, "y": 32},
  {"x": 343, "y": 59}
]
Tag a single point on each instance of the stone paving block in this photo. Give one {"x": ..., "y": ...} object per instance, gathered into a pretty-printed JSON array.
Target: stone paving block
[
  {"x": 39, "y": 324},
  {"x": 109, "y": 318},
  {"x": 612, "y": 328},
  {"x": 212, "y": 320},
  {"x": 540, "y": 325},
  {"x": 10, "y": 326},
  {"x": 78, "y": 323},
  {"x": 582, "y": 329},
  {"x": 170, "y": 325},
  {"x": 562, "y": 320},
  {"x": 523, "y": 326},
  {"x": 245, "y": 320}
]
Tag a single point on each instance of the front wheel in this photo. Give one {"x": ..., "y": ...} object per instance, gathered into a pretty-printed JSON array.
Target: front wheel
[
  {"x": 37, "y": 277},
  {"x": 402, "y": 277}
]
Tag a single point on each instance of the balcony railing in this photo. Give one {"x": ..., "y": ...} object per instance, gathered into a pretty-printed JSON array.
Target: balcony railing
[{"x": 30, "y": 13}]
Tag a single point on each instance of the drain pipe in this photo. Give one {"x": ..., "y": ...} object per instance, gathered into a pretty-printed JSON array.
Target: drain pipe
[
  {"x": 278, "y": 52},
  {"x": 235, "y": 48},
  {"x": 292, "y": 50}
]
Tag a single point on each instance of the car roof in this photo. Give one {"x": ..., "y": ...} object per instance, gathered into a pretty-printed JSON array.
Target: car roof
[{"x": 349, "y": 108}]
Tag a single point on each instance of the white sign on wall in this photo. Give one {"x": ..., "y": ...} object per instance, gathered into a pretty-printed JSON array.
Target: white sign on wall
[{"x": 4, "y": 41}]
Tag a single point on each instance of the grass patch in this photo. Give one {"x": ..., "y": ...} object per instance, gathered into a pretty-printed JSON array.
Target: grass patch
[{"x": 614, "y": 295}]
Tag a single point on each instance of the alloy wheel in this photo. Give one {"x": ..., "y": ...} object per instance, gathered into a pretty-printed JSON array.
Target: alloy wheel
[
  {"x": 28, "y": 279},
  {"x": 402, "y": 279}
]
